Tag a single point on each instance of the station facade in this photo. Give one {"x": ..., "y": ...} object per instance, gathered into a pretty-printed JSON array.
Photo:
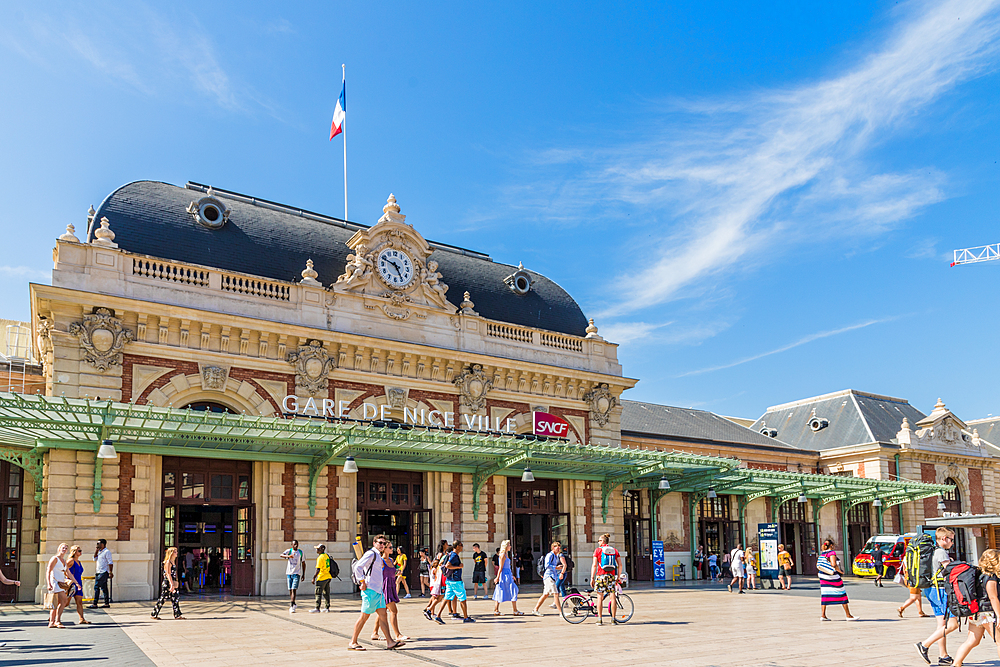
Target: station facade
[{"x": 236, "y": 352}]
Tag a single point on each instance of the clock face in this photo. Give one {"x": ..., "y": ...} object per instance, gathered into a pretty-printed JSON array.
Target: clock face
[{"x": 395, "y": 267}]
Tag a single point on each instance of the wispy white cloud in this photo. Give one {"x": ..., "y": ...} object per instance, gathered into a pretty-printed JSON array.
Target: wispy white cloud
[
  {"x": 720, "y": 184},
  {"x": 24, "y": 273},
  {"x": 784, "y": 348},
  {"x": 152, "y": 50}
]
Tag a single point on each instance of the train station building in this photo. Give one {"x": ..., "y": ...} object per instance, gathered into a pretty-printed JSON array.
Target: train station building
[{"x": 225, "y": 374}]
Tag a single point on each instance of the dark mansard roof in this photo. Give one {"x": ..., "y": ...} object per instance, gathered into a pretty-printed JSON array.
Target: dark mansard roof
[{"x": 272, "y": 240}]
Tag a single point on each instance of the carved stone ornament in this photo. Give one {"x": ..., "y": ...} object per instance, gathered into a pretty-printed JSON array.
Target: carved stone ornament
[
  {"x": 102, "y": 338},
  {"x": 473, "y": 383},
  {"x": 601, "y": 403},
  {"x": 390, "y": 266},
  {"x": 214, "y": 377},
  {"x": 44, "y": 338},
  {"x": 396, "y": 397},
  {"x": 312, "y": 364}
]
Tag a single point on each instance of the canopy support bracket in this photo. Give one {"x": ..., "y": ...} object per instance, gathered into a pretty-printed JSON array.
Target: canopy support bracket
[
  {"x": 484, "y": 473},
  {"x": 318, "y": 463}
]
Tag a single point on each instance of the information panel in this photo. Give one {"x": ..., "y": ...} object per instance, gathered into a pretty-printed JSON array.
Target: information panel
[
  {"x": 767, "y": 535},
  {"x": 659, "y": 564}
]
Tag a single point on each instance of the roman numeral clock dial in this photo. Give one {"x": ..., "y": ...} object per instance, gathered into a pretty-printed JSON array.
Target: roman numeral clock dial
[{"x": 395, "y": 267}]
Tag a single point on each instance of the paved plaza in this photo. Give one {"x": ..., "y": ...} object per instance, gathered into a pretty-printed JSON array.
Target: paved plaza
[{"x": 688, "y": 625}]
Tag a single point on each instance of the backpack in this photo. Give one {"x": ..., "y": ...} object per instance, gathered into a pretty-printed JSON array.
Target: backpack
[
  {"x": 918, "y": 561},
  {"x": 609, "y": 558},
  {"x": 569, "y": 561},
  {"x": 984, "y": 597},
  {"x": 962, "y": 586},
  {"x": 354, "y": 576},
  {"x": 334, "y": 569},
  {"x": 540, "y": 565}
]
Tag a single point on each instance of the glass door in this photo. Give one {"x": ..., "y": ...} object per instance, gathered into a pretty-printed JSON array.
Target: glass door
[
  {"x": 11, "y": 478},
  {"x": 242, "y": 565}
]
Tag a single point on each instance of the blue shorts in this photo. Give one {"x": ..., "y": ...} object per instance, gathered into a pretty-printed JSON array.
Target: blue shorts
[
  {"x": 938, "y": 598},
  {"x": 371, "y": 601},
  {"x": 293, "y": 582},
  {"x": 455, "y": 590}
]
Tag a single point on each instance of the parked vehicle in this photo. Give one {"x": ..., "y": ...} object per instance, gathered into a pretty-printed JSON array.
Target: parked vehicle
[{"x": 892, "y": 547}]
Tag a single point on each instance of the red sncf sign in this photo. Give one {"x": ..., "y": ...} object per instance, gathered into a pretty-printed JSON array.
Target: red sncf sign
[{"x": 549, "y": 425}]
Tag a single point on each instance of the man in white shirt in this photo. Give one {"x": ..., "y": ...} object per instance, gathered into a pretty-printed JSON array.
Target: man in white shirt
[
  {"x": 736, "y": 565},
  {"x": 295, "y": 571},
  {"x": 105, "y": 572},
  {"x": 367, "y": 572}
]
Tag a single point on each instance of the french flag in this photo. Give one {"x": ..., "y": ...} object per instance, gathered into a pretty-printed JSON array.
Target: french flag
[{"x": 339, "y": 114}]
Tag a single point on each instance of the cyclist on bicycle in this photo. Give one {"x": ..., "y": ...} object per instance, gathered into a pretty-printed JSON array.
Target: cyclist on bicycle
[{"x": 604, "y": 575}]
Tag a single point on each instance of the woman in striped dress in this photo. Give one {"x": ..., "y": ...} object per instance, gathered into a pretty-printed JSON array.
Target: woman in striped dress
[{"x": 831, "y": 586}]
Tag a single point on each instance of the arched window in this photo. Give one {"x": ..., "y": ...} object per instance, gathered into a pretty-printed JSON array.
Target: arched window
[
  {"x": 210, "y": 406},
  {"x": 952, "y": 499}
]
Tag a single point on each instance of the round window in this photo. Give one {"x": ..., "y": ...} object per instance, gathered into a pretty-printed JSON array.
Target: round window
[{"x": 210, "y": 212}]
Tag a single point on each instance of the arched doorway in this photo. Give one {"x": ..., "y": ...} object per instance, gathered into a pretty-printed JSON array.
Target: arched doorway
[{"x": 953, "y": 503}]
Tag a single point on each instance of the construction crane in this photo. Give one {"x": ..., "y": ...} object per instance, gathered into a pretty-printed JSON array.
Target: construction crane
[{"x": 983, "y": 253}]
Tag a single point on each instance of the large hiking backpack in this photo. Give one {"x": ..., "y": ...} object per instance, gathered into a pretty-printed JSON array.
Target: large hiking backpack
[
  {"x": 918, "y": 561},
  {"x": 962, "y": 585}
]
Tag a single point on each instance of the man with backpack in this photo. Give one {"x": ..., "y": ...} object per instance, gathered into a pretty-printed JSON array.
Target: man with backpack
[
  {"x": 367, "y": 574},
  {"x": 604, "y": 576},
  {"x": 553, "y": 569},
  {"x": 937, "y": 595}
]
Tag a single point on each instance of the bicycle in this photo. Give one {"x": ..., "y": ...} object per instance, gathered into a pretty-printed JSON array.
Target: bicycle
[{"x": 576, "y": 607}]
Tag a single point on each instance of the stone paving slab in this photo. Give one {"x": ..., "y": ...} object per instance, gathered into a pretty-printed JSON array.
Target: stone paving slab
[
  {"x": 29, "y": 640},
  {"x": 692, "y": 626}
]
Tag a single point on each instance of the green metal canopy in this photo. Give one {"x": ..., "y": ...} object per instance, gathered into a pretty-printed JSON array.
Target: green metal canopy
[{"x": 33, "y": 424}]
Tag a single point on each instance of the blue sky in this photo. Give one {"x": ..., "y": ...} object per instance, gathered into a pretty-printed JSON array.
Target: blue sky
[{"x": 759, "y": 203}]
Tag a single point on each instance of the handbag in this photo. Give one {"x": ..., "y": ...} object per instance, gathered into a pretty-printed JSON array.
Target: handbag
[{"x": 824, "y": 566}]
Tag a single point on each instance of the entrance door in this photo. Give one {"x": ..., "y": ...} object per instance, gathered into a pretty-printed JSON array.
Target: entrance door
[
  {"x": 11, "y": 478},
  {"x": 639, "y": 555},
  {"x": 534, "y": 521},
  {"x": 390, "y": 503},
  {"x": 209, "y": 517},
  {"x": 243, "y": 555}
]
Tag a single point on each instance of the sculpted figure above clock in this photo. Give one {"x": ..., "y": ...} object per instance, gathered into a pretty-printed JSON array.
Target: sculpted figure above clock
[{"x": 390, "y": 264}]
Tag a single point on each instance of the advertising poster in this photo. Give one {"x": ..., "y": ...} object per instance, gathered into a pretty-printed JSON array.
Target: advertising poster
[
  {"x": 659, "y": 564},
  {"x": 767, "y": 536}
]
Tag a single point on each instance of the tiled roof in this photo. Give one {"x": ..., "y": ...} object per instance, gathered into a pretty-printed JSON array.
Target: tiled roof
[
  {"x": 853, "y": 417},
  {"x": 687, "y": 423},
  {"x": 274, "y": 241}
]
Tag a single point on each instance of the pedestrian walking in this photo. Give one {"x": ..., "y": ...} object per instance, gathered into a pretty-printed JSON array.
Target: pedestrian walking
[
  {"x": 726, "y": 570},
  {"x": 169, "y": 587},
  {"x": 436, "y": 592},
  {"x": 713, "y": 566},
  {"x": 424, "y": 570},
  {"x": 989, "y": 564},
  {"x": 567, "y": 575},
  {"x": 478, "y": 571},
  {"x": 604, "y": 576},
  {"x": 699, "y": 562},
  {"x": 368, "y": 573},
  {"x": 400, "y": 566},
  {"x": 914, "y": 595},
  {"x": 555, "y": 569},
  {"x": 454, "y": 586},
  {"x": 751, "y": 568},
  {"x": 504, "y": 586},
  {"x": 390, "y": 577},
  {"x": 785, "y": 565},
  {"x": 878, "y": 562},
  {"x": 831, "y": 585},
  {"x": 57, "y": 585},
  {"x": 322, "y": 579},
  {"x": 938, "y": 597},
  {"x": 74, "y": 568},
  {"x": 736, "y": 567},
  {"x": 105, "y": 573},
  {"x": 294, "y": 571}
]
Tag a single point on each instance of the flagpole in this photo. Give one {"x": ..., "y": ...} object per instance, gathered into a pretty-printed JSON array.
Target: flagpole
[{"x": 344, "y": 132}]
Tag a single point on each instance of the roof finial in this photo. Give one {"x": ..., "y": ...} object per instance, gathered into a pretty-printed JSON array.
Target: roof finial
[
  {"x": 104, "y": 236},
  {"x": 309, "y": 275},
  {"x": 592, "y": 329},
  {"x": 467, "y": 305},
  {"x": 70, "y": 234},
  {"x": 390, "y": 204}
]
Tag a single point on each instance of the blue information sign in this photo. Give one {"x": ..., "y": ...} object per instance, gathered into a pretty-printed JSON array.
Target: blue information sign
[
  {"x": 767, "y": 536},
  {"x": 659, "y": 563}
]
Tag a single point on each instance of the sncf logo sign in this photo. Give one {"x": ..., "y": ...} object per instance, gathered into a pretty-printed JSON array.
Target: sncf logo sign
[{"x": 549, "y": 425}]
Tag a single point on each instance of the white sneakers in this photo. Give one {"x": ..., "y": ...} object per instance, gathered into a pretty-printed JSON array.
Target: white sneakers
[
  {"x": 326, "y": 610},
  {"x": 314, "y": 611},
  {"x": 407, "y": 596},
  {"x": 291, "y": 610}
]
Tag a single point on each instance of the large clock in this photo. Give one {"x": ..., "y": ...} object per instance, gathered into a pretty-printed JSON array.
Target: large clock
[{"x": 395, "y": 267}]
